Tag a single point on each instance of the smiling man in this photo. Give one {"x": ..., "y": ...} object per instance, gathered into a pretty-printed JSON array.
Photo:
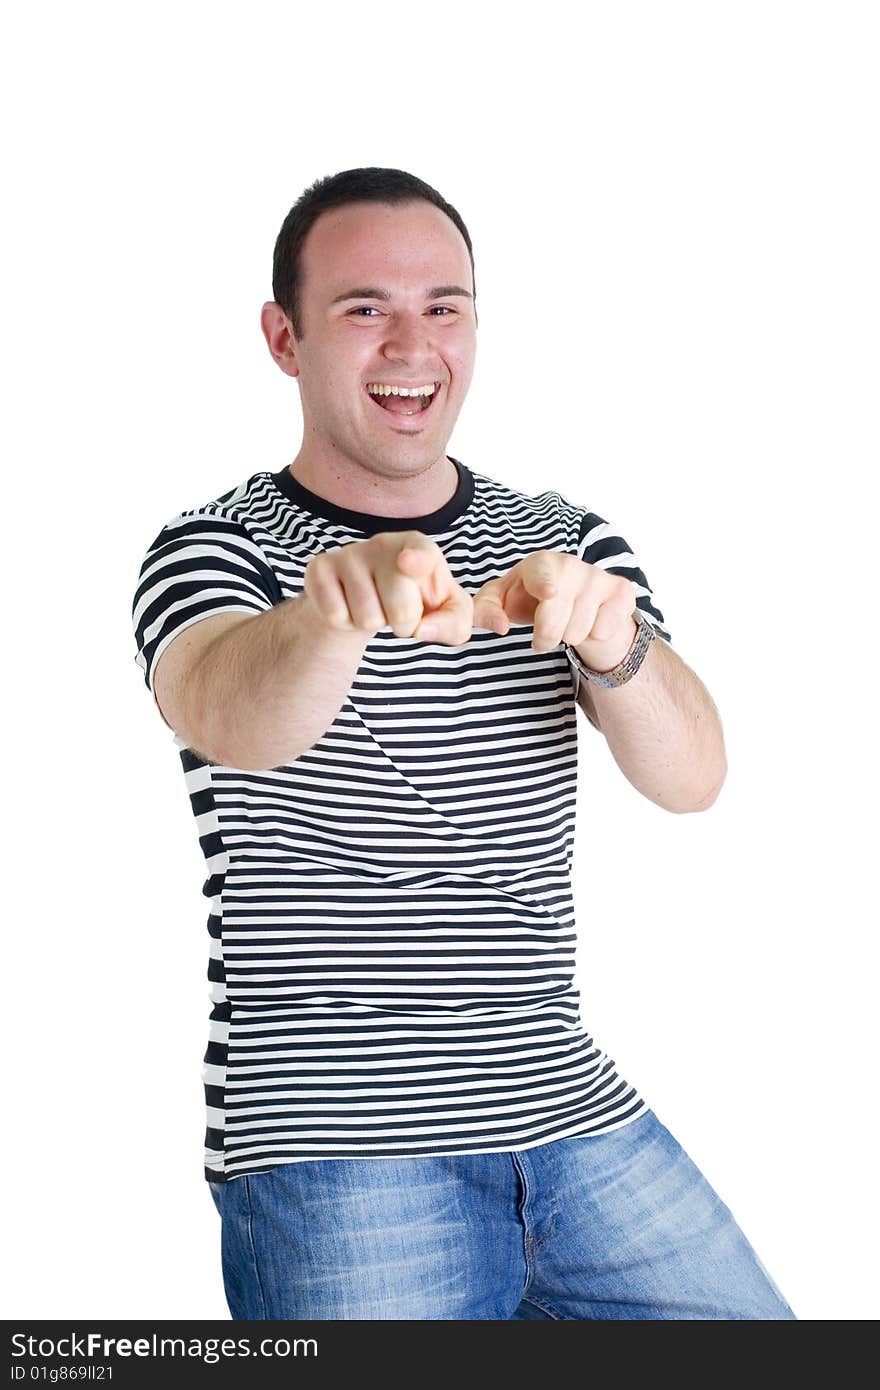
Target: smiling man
[
  {"x": 372, "y": 662},
  {"x": 386, "y": 305}
]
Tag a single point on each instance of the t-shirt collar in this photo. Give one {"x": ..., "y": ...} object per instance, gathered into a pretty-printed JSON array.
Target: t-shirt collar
[{"x": 369, "y": 523}]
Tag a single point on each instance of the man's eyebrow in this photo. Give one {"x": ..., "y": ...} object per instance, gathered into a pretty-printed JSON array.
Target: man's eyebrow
[{"x": 373, "y": 292}]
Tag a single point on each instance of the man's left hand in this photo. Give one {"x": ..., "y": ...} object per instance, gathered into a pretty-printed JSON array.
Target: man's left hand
[{"x": 565, "y": 600}]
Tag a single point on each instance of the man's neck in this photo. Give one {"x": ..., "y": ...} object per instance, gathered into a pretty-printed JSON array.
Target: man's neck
[{"x": 354, "y": 486}]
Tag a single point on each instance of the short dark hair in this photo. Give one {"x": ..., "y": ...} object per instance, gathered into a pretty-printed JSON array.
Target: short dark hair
[{"x": 350, "y": 186}]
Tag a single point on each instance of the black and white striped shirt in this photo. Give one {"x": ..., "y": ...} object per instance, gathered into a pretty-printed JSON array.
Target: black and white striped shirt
[{"x": 392, "y": 931}]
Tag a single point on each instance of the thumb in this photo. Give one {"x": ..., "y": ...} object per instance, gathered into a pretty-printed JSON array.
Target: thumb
[
  {"x": 451, "y": 623},
  {"x": 489, "y": 611}
]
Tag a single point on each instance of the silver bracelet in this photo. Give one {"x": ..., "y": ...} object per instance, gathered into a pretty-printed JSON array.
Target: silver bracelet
[{"x": 627, "y": 668}]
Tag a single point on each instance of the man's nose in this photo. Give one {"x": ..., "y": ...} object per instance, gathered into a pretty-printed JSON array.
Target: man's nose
[{"x": 408, "y": 334}]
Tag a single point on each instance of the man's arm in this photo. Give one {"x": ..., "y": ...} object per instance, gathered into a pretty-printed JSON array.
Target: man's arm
[
  {"x": 663, "y": 730},
  {"x": 585, "y": 700},
  {"x": 267, "y": 688}
]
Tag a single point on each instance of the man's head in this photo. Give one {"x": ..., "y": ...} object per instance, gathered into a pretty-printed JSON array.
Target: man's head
[{"x": 406, "y": 252}]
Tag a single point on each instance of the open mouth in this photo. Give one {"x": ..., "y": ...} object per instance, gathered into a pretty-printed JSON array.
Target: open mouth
[{"x": 405, "y": 407}]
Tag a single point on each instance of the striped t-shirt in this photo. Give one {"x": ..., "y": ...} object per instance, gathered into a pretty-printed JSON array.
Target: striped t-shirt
[{"x": 392, "y": 930}]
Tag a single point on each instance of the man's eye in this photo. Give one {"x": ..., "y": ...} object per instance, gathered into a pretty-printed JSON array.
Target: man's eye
[{"x": 371, "y": 309}]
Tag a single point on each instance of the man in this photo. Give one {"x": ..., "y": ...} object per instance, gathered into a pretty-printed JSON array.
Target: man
[{"x": 370, "y": 661}]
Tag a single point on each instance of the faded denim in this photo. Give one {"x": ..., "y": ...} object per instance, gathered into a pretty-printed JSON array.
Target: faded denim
[{"x": 619, "y": 1225}]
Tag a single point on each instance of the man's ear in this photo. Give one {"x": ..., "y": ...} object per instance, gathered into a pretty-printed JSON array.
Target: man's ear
[{"x": 278, "y": 332}]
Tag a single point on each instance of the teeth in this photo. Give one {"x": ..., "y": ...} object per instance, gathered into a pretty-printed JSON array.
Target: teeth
[{"x": 376, "y": 388}]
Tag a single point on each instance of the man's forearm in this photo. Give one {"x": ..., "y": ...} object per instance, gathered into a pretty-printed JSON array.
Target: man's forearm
[
  {"x": 271, "y": 686},
  {"x": 664, "y": 731}
]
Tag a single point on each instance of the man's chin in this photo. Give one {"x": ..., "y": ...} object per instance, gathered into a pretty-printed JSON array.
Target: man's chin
[
  {"x": 412, "y": 457},
  {"x": 405, "y": 444}
]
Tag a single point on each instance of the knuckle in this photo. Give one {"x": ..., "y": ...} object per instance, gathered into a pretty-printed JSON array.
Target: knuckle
[
  {"x": 368, "y": 603},
  {"x": 319, "y": 588},
  {"x": 402, "y": 604},
  {"x": 624, "y": 590},
  {"x": 317, "y": 568},
  {"x": 416, "y": 540}
]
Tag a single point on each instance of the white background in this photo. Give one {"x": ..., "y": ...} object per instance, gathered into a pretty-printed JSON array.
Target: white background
[{"x": 675, "y": 223}]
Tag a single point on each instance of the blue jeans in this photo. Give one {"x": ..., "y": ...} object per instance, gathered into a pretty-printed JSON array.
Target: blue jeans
[{"x": 618, "y": 1225}]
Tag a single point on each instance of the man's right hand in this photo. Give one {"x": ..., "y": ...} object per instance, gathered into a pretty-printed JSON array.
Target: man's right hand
[{"x": 396, "y": 579}]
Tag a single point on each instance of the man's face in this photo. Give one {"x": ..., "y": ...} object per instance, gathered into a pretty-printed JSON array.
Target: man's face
[{"x": 412, "y": 337}]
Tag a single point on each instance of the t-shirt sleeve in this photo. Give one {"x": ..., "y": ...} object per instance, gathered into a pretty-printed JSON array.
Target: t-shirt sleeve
[
  {"x": 198, "y": 565},
  {"x": 600, "y": 543}
]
